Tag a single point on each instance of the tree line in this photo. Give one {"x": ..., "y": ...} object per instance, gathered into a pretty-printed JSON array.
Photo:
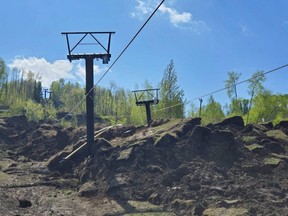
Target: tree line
[
  {"x": 261, "y": 106},
  {"x": 21, "y": 92}
]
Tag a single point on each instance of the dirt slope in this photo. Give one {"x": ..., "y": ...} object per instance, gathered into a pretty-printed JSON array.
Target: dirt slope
[{"x": 175, "y": 167}]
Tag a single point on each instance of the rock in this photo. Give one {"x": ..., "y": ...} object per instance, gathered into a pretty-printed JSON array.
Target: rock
[
  {"x": 58, "y": 163},
  {"x": 24, "y": 203},
  {"x": 268, "y": 125},
  {"x": 17, "y": 122},
  {"x": 125, "y": 154},
  {"x": 158, "y": 122},
  {"x": 102, "y": 144},
  {"x": 283, "y": 124},
  {"x": 153, "y": 169},
  {"x": 235, "y": 120},
  {"x": 248, "y": 128},
  {"x": 62, "y": 138},
  {"x": 155, "y": 199},
  {"x": 182, "y": 204},
  {"x": 255, "y": 148},
  {"x": 187, "y": 127},
  {"x": 274, "y": 147},
  {"x": 217, "y": 145},
  {"x": 85, "y": 176},
  {"x": 278, "y": 135},
  {"x": 195, "y": 187},
  {"x": 199, "y": 135},
  {"x": 88, "y": 189},
  {"x": 199, "y": 208},
  {"x": 229, "y": 203},
  {"x": 166, "y": 141}
]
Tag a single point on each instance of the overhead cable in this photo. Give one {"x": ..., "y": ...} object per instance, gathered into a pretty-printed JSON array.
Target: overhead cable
[{"x": 118, "y": 57}]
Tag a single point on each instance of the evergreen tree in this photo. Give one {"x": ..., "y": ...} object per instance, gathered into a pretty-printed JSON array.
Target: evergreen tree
[
  {"x": 37, "y": 92},
  {"x": 171, "y": 96}
]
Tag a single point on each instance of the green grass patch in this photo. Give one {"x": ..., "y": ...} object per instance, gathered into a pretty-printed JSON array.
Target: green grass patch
[
  {"x": 277, "y": 134},
  {"x": 285, "y": 157},
  {"x": 226, "y": 212},
  {"x": 272, "y": 161},
  {"x": 249, "y": 139},
  {"x": 254, "y": 147},
  {"x": 143, "y": 206},
  {"x": 4, "y": 177},
  {"x": 5, "y": 164}
]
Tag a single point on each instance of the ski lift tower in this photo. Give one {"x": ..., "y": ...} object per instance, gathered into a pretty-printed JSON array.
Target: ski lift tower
[
  {"x": 97, "y": 39},
  {"x": 146, "y": 98}
]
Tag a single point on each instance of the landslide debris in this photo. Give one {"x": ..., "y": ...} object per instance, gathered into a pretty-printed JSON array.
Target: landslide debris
[{"x": 174, "y": 167}]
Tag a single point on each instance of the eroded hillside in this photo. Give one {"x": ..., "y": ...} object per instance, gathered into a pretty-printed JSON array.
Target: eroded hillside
[{"x": 174, "y": 167}]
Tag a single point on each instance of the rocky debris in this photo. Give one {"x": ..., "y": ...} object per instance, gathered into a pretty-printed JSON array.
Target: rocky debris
[
  {"x": 24, "y": 203},
  {"x": 216, "y": 145},
  {"x": 232, "y": 121},
  {"x": 13, "y": 129},
  {"x": 186, "y": 128},
  {"x": 174, "y": 166},
  {"x": 88, "y": 189}
]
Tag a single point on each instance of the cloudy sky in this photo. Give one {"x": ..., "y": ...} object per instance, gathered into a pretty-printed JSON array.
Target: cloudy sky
[{"x": 205, "y": 39}]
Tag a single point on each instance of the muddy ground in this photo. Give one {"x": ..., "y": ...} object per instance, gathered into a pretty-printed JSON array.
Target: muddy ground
[{"x": 174, "y": 167}]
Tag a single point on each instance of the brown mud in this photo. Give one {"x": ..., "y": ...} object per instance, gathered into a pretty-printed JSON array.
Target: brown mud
[{"x": 174, "y": 167}]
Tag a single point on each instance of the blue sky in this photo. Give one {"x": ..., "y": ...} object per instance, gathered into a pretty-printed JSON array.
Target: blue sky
[{"x": 205, "y": 39}]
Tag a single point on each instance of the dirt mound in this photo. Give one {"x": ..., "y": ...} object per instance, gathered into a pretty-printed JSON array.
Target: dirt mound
[
  {"x": 35, "y": 140},
  {"x": 192, "y": 169},
  {"x": 176, "y": 166}
]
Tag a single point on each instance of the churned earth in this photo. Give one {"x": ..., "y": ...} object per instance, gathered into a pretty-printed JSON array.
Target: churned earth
[{"x": 174, "y": 167}]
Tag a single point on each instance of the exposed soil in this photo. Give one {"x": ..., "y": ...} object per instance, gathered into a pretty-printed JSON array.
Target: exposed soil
[{"x": 174, "y": 167}]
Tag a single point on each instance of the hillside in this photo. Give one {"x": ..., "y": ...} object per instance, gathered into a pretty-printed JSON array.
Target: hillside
[{"x": 174, "y": 167}]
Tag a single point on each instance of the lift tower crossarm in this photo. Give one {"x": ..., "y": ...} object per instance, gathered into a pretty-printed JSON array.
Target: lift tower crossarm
[{"x": 72, "y": 56}]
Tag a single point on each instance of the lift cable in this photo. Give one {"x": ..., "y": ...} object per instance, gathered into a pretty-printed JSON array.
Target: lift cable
[
  {"x": 225, "y": 88},
  {"x": 118, "y": 57}
]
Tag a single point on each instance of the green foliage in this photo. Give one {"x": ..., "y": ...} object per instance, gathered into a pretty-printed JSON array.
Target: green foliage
[
  {"x": 254, "y": 147},
  {"x": 255, "y": 87},
  {"x": 231, "y": 84},
  {"x": 50, "y": 111},
  {"x": 21, "y": 91},
  {"x": 272, "y": 161},
  {"x": 212, "y": 112},
  {"x": 171, "y": 96},
  {"x": 249, "y": 139},
  {"x": 18, "y": 107},
  {"x": 238, "y": 107},
  {"x": 57, "y": 89},
  {"x": 194, "y": 111},
  {"x": 268, "y": 107},
  {"x": 37, "y": 92},
  {"x": 34, "y": 111},
  {"x": 3, "y": 73}
]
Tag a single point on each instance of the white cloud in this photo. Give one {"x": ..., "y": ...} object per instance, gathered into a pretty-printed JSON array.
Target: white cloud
[
  {"x": 143, "y": 8},
  {"x": 52, "y": 71},
  {"x": 182, "y": 20},
  {"x": 175, "y": 17}
]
